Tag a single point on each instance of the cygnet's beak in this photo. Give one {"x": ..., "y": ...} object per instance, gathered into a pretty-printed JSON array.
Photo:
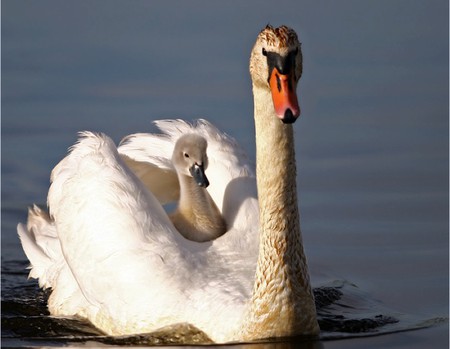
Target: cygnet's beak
[{"x": 198, "y": 173}]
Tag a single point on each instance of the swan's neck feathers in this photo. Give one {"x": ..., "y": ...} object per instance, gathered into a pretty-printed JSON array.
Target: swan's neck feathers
[
  {"x": 282, "y": 303},
  {"x": 197, "y": 217}
]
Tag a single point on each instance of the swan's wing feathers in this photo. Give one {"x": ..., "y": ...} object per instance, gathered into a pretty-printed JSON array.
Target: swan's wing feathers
[
  {"x": 228, "y": 164},
  {"x": 114, "y": 233},
  {"x": 88, "y": 143},
  {"x": 95, "y": 166},
  {"x": 163, "y": 183},
  {"x": 41, "y": 245},
  {"x": 45, "y": 232},
  {"x": 222, "y": 148},
  {"x": 149, "y": 157},
  {"x": 155, "y": 149}
]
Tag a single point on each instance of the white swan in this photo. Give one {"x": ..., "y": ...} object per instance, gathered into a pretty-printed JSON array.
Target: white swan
[
  {"x": 111, "y": 255},
  {"x": 197, "y": 217}
]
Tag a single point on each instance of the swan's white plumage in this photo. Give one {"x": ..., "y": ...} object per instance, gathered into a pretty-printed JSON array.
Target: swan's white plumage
[
  {"x": 232, "y": 180},
  {"x": 149, "y": 154},
  {"x": 43, "y": 248},
  {"x": 121, "y": 263},
  {"x": 140, "y": 269}
]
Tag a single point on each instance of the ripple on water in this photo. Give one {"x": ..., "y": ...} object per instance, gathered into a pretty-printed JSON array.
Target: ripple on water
[{"x": 343, "y": 311}]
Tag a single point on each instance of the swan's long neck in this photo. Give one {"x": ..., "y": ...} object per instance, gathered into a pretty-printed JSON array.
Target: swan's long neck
[{"x": 282, "y": 302}]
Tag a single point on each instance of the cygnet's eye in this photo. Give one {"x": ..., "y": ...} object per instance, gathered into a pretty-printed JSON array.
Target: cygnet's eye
[
  {"x": 264, "y": 52},
  {"x": 186, "y": 155}
]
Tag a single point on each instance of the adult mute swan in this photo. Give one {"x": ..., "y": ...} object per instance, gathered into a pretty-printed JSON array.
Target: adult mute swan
[{"x": 111, "y": 255}]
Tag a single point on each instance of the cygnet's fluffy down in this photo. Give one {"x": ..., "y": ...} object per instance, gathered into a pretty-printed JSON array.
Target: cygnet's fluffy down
[{"x": 197, "y": 217}]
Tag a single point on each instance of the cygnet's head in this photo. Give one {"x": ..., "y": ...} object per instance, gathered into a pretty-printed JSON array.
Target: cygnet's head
[{"x": 189, "y": 158}]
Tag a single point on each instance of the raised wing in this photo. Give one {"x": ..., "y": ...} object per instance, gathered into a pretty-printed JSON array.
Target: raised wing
[{"x": 229, "y": 171}]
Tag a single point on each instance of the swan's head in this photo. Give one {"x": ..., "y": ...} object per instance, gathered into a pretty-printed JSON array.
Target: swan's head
[
  {"x": 276, "y": 64},
  {"x": 189, "y": 158}
]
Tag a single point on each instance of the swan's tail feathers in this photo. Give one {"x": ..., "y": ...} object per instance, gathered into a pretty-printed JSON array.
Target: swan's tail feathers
[{"x": 41, "y": 245}]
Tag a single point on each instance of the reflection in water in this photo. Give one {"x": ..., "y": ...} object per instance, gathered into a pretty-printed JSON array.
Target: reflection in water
[{"x": 343, "y": 311}]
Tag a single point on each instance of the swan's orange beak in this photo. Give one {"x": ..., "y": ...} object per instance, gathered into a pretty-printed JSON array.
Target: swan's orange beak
[{"x": 283, "y": 88}]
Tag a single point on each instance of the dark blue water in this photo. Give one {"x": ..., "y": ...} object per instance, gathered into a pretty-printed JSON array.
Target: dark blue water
[{"x": 372, "y": 141}]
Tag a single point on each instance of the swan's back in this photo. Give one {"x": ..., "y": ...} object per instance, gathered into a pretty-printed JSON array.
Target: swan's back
[{"x": 139, "y": 269}]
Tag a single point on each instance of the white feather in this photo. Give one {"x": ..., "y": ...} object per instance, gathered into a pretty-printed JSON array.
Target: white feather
[{"x": 139, "y": 269}]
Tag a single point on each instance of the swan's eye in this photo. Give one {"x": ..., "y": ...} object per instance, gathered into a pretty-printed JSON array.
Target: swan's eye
[
  {"x": 264, "y": 52},
  {"x": 186, "y": 155}
]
